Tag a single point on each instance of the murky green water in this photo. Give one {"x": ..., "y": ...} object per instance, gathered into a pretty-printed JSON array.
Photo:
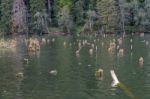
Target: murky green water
[{"x": 75, "y": 77}]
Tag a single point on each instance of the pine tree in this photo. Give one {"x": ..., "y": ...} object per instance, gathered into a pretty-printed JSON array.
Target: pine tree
[
  {"x": 65, "y": 19},
  {"x": 52, "y": 11},
  {"x": 38, "y": 7},
  {"x": 147, "y": 15},
  {"x": 62, "y": 3},
  {"x": 135, "y": 15},
  {"x": 0, "y": 10},
  {"x": 90, "y": 21},
  {"x": 6, "y": 11},
  {"x": 77, "y": 12},
  {"x": 108, "y": 13}
]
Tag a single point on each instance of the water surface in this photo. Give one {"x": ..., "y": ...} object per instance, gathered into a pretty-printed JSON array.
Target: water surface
[{"x": 75, "y": 77}]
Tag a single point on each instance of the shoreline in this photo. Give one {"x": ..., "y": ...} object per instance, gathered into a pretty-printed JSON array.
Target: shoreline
[{"x": 68, "y": 34}]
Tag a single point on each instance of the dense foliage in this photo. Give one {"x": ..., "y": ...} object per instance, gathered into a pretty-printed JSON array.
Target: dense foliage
[
  {"x": 81, "y": 16},
  {"x": 5, "y": 18}
]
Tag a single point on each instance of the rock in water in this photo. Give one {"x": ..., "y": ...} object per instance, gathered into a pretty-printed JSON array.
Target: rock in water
[{"x": 53, "y": 72}]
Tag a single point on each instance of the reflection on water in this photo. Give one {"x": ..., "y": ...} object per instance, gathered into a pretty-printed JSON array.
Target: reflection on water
[{"x": 75, "y": 60}]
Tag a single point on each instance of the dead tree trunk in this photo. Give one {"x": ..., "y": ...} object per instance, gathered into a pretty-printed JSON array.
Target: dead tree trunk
[
  {"x": 49, "y": 6},
  {"x": 19, "y": 17}
]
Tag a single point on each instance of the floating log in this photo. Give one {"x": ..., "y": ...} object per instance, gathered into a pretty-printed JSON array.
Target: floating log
[
  {"x": 115, "y": 79},
  {"x": 120, "y": 85}
]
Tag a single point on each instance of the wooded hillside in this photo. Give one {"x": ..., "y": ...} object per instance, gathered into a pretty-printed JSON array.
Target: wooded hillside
[{"x": 74, "y": 16}]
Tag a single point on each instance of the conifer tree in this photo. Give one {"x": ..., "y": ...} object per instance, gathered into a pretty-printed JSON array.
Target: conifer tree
[
  {"x": 6, "y": 12},
  {"x": 90, "y": 21},
  {"x": 147, "y": 15},
  {"x": 37, "y": 7},
  {"x": 62, "y": 3},
  {"x": 135, "y": 15},
  {"x": 108, "y": 13},
  {"x": 77, "y": 11},
  {"x": 0, "y": 10},
  {"x": 65, "y": 20}
]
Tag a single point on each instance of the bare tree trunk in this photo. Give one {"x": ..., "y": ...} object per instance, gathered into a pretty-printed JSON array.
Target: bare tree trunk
[
  {"x": 49, "y": 6},
  {"x": 121, "y": 15},
  {"x": 19, "y": 17}
]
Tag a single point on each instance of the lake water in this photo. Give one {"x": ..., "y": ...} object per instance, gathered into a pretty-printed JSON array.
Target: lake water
[{"x": 74, "y": 76}]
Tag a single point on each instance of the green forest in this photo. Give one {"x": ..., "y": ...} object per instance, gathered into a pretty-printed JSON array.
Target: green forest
[{"x": 74, "y": 16}]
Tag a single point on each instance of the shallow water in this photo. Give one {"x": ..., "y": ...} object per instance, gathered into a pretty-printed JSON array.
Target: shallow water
[{"x": 75, "y": 78}]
